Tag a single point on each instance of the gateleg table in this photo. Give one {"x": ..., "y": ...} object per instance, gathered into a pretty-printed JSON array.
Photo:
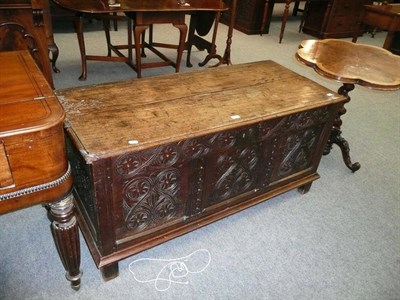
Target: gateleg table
[{"x": 144, "y": 13}]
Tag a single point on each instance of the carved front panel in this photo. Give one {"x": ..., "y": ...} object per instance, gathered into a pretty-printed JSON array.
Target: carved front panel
[
  {"x": 233, "y": 169},
  {"x": 157, "y": 188},
  {"x": 149, "y": 188}
]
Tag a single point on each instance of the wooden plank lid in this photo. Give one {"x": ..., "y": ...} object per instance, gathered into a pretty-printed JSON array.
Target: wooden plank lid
[{"x": 113, "y": 118}]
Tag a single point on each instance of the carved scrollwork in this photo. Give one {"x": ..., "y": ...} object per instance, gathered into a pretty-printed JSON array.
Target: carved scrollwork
[
  {"x": 297, "y": 121},
  {"x": 154, "y": 193},
  {"x": 151, "y": 210},
  {"x": 235, "y": 173},
  {"x": 167, "y": 156},
  {"x": 194, "y": 148},
  {"x": 150, "y": 200},
  {"x": 308, "y": 118},
  {"x": 270, "y": 129},
  {"x": 137, "y": 189},
  {"x": 132, "y": 163},
  {"x": 298, "y": 152},
  {"x": 223, "y": 140}
]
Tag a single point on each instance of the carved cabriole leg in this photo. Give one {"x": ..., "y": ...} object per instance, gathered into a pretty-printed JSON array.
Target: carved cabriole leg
[
  {"x": 66, "y": 237},
  {"x": 336, "y": 134},
  {"x": 53, "y": 49},
  {"x": 110, "y": 271}
]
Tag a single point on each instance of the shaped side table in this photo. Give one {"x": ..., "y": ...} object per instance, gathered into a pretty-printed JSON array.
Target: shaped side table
[{"x": 350, "y": 64}]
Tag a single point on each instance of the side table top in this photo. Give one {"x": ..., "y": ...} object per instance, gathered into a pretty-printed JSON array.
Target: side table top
[{"x": 352, "y": 63}]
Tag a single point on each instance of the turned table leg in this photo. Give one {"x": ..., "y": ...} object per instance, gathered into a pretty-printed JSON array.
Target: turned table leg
[
  {"x": 336, "y": 133},
  {"x": 226, "y": 59},
  {"x": 66, "y": 237}
]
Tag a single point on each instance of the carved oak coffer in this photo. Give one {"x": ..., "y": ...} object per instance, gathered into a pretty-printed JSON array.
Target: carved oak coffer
[{"x": 155, "y": 158}]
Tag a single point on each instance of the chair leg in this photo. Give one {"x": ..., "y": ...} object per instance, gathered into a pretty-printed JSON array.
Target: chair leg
[
  {"x": 106, "y": 27},
  {"x": 304, "y": 15},
  {"x": 115, "y": 22},
  {"x": 284, "y": 20},
  {"x": 182, "y": 38},
  {"x": 267, "y": 14},
  {"x": 189, "y": 44},
  {"x": 138, "y": 31},
  {"x": 296, "y": 8}
]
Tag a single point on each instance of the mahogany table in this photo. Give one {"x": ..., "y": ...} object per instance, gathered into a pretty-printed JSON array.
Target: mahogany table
[
  {"x": 144, "y": 14},
  {"x": 350, "y": 64},
  {"x": 33, "y": 161},
  {"x": 385, "y": 17}
]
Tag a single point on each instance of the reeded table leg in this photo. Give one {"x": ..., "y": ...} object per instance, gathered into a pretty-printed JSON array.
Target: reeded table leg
[
  {"x": 336, "y": 133},
  {"x": 66, "y": 237}
]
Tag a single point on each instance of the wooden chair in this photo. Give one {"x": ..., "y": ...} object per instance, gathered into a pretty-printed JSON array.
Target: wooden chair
[{"x": 267, "y": 14}]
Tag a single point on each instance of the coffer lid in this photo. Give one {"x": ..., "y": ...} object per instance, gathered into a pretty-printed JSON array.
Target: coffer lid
[{"x": 27, "y": 102}]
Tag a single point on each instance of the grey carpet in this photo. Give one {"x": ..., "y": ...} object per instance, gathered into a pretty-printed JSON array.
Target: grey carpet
[{"x": 339, "y": 241}]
